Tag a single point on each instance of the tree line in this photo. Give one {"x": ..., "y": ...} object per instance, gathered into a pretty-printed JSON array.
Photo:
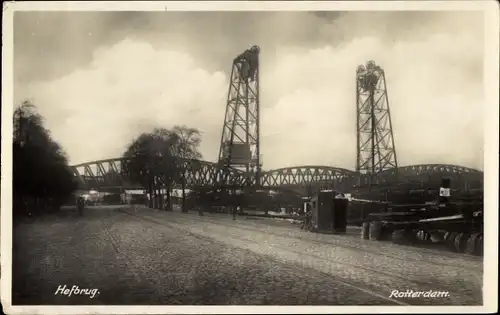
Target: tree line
[{"x": 43, "y": 180}]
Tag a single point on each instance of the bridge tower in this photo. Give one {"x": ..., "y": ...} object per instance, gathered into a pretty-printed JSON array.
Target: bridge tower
[
  {"x": 376, "y": 150},
  {"x": 240, "y": 147}
]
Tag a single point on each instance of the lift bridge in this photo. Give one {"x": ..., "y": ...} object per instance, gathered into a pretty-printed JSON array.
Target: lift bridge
[{"x": 239, "y": 161}]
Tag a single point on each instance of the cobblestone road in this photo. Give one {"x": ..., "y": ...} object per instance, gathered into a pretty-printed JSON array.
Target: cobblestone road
[{"x": 139, "y": 256}]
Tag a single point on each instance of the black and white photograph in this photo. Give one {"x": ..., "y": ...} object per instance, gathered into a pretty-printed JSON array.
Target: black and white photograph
[{"x": 207, "y": 157}]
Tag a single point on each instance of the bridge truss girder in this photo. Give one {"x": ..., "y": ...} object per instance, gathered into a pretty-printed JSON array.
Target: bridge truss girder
[
  {"x": 323, "y": 177},
  {"x": 108, "y": 174}
]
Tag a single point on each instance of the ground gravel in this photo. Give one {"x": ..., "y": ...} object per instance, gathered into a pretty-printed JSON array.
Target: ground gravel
[{"x": 145, "y": 257}]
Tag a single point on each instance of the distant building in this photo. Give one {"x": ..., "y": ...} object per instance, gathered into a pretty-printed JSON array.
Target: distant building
[{"x": 133, "y": 196}]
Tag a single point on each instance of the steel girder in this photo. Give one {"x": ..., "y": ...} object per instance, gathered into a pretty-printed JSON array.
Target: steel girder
[
  {"x": 202, "y": 173},
  {"x": 425, "y": 175},
  {"x": 98, "y": 174},
  {"x": 427, "y": 178},
  {"x": 432, "y": 168},
  {"x": 423, "y": 171},
  {"x": 305, "y": 175},
  {"x": 108, "y": 174}
]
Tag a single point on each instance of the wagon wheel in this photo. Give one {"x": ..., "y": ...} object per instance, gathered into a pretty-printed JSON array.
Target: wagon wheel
[
  {"x": 461, "y": 242},
  {"x": 386, "y": 232},
  {"x": 411, "y": 236},
  {"x": 427, "y": 237},
  {"x": 399, "y": 237},
  {"x": 449, "y": 240},
  {"x": 480, "y": 245},
  {"x": 404, "y": 236},
  {"x": 375, "y": 230},
  {"x": 365, "y": 230},
  {"x": 420, "y": 236},
  {"x": 471, "y": 247}
]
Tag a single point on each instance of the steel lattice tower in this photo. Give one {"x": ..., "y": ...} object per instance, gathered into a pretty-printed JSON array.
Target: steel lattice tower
[
  {"x": 240, "y": 146},
  {"x": 376, "y": 150}
]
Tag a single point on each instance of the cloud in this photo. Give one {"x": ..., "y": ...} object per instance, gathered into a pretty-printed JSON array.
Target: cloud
[
  {"x": 436, "y": 110},
  {"x": 129, "y": 88},
  {"x": 434, "y": 78}
]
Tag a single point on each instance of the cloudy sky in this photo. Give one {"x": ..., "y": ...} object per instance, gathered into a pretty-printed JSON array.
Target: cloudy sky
[{"x": 102, "y": 78}]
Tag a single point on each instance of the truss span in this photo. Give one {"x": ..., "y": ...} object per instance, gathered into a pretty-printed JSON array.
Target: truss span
[
  {"x": 306, "y": 175},
  {"x": 109, "y": 174},
  {"x": 423, "y": 176},
  {"x": 425, "y": 172}
]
